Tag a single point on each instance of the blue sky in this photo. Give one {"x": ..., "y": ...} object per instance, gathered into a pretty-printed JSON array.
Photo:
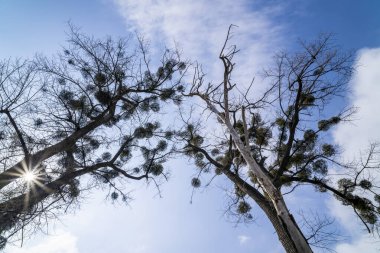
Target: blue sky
[{"x": 171, "y": 224}]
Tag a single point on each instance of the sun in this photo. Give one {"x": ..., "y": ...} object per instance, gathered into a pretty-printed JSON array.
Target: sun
[{"x": 29, "y": 176}]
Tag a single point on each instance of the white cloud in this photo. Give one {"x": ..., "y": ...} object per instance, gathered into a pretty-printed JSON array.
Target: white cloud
[
  {"x": 344, "y": 215},
  {"x": 63, "y": 242},
  {"x": 140, "y": 249},
  {"x": 364, "y": 245},
  {"x": 200, "y": 28},
  {"x": 355, "y": 137},
  {"x": 243, "y": 239},
  {"x": 365, "y": 86}
]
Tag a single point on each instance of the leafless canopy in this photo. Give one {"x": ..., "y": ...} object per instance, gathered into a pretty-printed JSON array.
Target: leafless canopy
[
  {"x": 277, "y": 142},
  {"x": 73, "y": 122}
]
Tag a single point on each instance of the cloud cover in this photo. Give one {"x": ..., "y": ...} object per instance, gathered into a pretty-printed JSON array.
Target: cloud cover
[
  {"x": 243, "y": 239},
  {"x": 365, "y": 87},
  {"x": 199, "y": 28},
  {"x": 356, "y": 136},
  {"x": 64, "y": 242}
]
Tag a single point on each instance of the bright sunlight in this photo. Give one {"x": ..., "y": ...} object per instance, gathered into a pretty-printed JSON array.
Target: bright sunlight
[{"x": 29, "y": 176}]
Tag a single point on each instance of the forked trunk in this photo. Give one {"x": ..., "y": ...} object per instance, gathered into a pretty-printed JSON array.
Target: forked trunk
[
  {"x": 269, "y": 210},
  {"x": 282, "y": 212}
]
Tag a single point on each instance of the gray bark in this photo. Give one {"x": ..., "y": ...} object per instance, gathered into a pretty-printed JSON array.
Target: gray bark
[
  {"x": 267, "y": 208},
  {"x": 282, "y": 212},
  {"x": 34, "y": 160},
  {"x": 274, "y": 194}
]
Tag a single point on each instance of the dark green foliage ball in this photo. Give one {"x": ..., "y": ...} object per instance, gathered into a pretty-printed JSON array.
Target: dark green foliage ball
[
  {"x": 95, "y": 144},
  {"x": 345, "y": 184},
  {"x": 125, "y": 155},
  {"x": 280, "y": 122},
  {"x": 74, "y": 191},
  {"x": 103, "y": 97},
  {"x": 156, "y": 169},
  {"x": 38, "y": 122},
  {"x": 365, "y": 184},
  {"x": 66, "y": 95},
  {"x": 77, "y": 104},
  {"x": 100, "y": 78},
  {"x": 307, "y": 99},
  {"x": 141, "y": 132},
  {"x": 155, "y": 107},
  {"x": 106, "y": 156},
  {"x": 181, "y": 65},
  {"x": 215, "y": 152},
  {"x": 369, "y": 216},
  {"x": 114, "y": 195},
  {"x": 160, "y": 72},
  {"x": 196, "y": 182},
  {"x": 196, "y": 140},
  {"x": 309, "y": 136},
  {"x": 328, "y": 150},
  {"x": 169, "y": 135},
  {"x": 162, "y": 145},
  {"x": 218, "y": 171},
  {"x": 325, "y": 125},
  {"x": 200, "y": 163},
  {"x": 119, "y": 75},
  {"x": 243, "y": 207},
  {"x": 167, "y": 94},
  {"x": 180, "y": 88},
  {"x": 320, "y": 167}
]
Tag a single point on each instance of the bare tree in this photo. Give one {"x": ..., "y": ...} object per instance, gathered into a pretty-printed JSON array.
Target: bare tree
[
  {"x": 274, "y": 143},
  {"x": 73, "y": 122}
]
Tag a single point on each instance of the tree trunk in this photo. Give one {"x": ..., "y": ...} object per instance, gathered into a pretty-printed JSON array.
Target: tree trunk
[
  {"x": 268, "y": 209},
  {"x": 282, "y": 212},
  {"x": 275, "y": 196}
]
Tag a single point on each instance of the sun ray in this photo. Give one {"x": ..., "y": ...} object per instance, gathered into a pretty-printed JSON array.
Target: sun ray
[
  {"x": 30, "y": 176},
  {"x": 41, "y": 185}
]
